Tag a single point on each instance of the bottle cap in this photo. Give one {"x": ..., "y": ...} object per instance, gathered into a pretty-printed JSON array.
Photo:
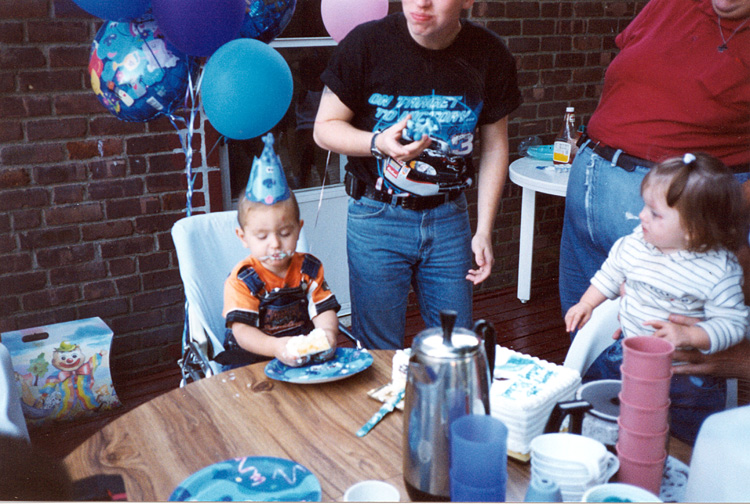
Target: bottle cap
[{"x": 570, "y": 109}]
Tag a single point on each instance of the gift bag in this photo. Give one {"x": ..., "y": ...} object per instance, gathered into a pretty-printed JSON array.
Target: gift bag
[{"x": 62, "y": 370}]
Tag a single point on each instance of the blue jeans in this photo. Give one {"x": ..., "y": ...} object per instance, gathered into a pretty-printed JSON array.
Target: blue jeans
[
  {"x": 693, "y": 397},
  {"x": 602, "y": 204},
  {"x": 391, "y": 249}
]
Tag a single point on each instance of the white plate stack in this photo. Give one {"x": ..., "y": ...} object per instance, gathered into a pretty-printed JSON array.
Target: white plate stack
[{"x": 524, "y": 391}]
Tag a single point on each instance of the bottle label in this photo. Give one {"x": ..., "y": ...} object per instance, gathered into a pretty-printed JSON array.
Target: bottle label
[{"x": 561, "y": 152}]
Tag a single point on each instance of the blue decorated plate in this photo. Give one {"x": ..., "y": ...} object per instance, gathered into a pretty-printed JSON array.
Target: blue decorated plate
[
  {"x": 346, "y": 362},
  {"x": 250, "y": 479},
  {"x": 543, "y": 152}
]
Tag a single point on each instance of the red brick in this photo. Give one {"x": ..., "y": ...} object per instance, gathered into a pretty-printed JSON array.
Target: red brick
[
  {"x": 215, "y": 197},
  {"x": 88, "y": 149},
  {"x": 521, "y": 10},
  {"x": 55, "y": 257},
  {"x": 164, "y": 163},
  {"x": 152, "y": 262},
  {"x": 128, "y": 285},
  {"x": 164, "y": 297},
  {"x": 24, "y": 106},
  {"x": 31, "y": 154},
  {"x": 67, "y": 56},
  {"x": 85, "y": 212},
  {"x": 58, "y": 31},
  {"x": 107, "y": 169},
  {"x": 535, "y": 27},
  {"x": 22, "y": 283},
  {"x": 107, "y": 230},
  {"x": 110, "y": 125},
  {"x": 51, "y": 297},
  {"x": 47, "y": 237},
  {"x": 78, "y": 273},
  {"x": 488, "y": 9},
  {"x": 23, "y": 198},
  {"x": 105, "y": 309},
  {"x": 11, "y": 32},
  {"x": 127, "y": 247},
  {"x": 66, "y": 195},
  {"x": 121, "y": 266},
  {"x": 152, "y": 144},
  {"x": 51, "y": 80},
  {"x": 21, "y": 57},
  {"x": 10, "y": 131},
  {"x": 14, "y": 177},
  {"x": 27, "y": 219},
  {"x": 110, "y": 189},
  {"x": 99, "y": 290},
  {"x": 54, "y": 129},
  {"x": 59, "y": 174},
  {"x": 163, "y": 183},
  {"x": 27, "y": 9},
  {"x": 7, "y": 82},
  {"x": 77, "y": 103},
  {"x": 161, "y": 279},
  {"x": 153, "y": 223}
]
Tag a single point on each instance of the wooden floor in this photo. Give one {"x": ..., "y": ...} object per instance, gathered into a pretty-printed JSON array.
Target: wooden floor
[{"x": 535, "y": 328}]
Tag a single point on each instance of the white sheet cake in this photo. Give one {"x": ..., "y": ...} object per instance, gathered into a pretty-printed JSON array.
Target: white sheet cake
[{"x": 524, "y": 392}]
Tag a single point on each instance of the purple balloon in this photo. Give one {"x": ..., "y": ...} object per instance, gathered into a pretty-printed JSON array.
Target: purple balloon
[{"x": 199, "y": 27}]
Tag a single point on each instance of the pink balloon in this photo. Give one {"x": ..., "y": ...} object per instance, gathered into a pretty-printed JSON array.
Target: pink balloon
[{"x": 340, "y": 16}]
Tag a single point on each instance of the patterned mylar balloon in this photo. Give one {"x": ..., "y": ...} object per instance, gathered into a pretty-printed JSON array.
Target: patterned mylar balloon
[
  {"x": 266, "y": 19},
  {"x": 135, "y": 72}
]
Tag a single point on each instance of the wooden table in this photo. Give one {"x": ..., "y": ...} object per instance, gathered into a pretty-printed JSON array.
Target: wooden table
[{"x": 243, "y": 413}]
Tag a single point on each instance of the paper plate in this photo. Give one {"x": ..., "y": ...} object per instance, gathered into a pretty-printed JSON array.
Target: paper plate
[
  {"x": 250, "y": 479},
  {"x": 543, "y": 152},
  {"x": 346, "y": 362}
]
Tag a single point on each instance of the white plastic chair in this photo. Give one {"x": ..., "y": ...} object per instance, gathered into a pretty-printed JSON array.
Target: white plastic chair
[
  {"x": 12, "y": 422},
  {"x": 207, "y": 250},
  {"x": 596, "y": 336}
]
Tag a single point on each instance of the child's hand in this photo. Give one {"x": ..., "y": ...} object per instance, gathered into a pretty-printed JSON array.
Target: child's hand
[
  {"x": 283, "y": 354},
  {"x": 680, "y": 335},
  {"x": 577, "y": 316}
]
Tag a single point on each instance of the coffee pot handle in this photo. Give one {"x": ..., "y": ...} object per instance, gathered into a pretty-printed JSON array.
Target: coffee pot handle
[
  {"x": 575, "y": 409},
  {"x": 486, "y": 331}
]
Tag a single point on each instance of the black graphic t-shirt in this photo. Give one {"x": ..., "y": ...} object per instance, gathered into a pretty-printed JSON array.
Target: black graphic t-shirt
[{"x": 382, "y": 74}]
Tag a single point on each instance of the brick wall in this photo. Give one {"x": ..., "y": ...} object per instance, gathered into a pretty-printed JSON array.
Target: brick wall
[{"x": 87, "y": 200}]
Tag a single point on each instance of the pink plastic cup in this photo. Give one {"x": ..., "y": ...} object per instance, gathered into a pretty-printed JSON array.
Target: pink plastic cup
[
  {"x": 643, "y": 392},
  {"x": 645, "y": 474},
  {"x": 646, "y": 420},
  {"x": 647, "y": 357},
  {"x": 640, "y": 445}
]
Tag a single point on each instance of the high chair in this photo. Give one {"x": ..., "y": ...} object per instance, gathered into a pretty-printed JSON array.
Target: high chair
[{"x": 207, "y": 250}]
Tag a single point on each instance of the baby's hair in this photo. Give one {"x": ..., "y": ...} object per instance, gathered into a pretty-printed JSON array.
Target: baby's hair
[
  {"x": 246, "y": 206},
  {"x": 708, "y": 198}
]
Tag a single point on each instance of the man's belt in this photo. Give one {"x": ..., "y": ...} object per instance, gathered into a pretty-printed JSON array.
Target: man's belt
[
  {"x": 623, "y": 160},
  {"x": 357, "y": 188}
]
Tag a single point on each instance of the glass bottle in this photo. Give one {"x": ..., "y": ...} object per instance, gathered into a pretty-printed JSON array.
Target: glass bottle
[{"x": 565, "y": 147}]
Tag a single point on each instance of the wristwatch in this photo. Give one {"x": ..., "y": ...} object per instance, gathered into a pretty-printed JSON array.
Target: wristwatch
[{"x": 376, "y": 153}]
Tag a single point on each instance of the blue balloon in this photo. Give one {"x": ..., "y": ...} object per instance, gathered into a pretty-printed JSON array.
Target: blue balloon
[
  {"x": 199, "y": 27},
  {"x": 115, "y": 10},
  {"x": 266, "y": 19},
  {"x": 135, "y": 72},
  {"x": 247, "y": 88}
]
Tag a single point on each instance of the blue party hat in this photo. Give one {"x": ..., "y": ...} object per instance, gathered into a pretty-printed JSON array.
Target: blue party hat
[{"x": 267, "y": 183}]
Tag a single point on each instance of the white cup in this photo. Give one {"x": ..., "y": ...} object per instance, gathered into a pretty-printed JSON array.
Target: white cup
[
  {"x": 570, "y": 452},
  {"x": 372, "y": 491}
]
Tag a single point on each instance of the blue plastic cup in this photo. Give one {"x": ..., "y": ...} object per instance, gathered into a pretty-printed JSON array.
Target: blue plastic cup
[
  {"x": 463, "y": 492},
  {"x": 479, "y": 454}
]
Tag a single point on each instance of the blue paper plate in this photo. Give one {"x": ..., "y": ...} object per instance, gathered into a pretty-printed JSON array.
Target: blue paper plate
[
  {"x": 346, "y": 362},
  {"x": 543, "y": 152},
  {"x": 250, "y": 479}
]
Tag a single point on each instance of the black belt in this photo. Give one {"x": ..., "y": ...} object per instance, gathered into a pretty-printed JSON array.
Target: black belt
[
  {"x": 357, "y": 188},
  {"x": 624, "y": 160}
]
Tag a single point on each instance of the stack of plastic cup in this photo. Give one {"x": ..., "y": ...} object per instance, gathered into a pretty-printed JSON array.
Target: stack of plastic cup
[{"x": 644, "y": 407}]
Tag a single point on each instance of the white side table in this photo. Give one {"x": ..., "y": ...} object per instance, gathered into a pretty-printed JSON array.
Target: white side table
[{"x": 525, "y": 173}]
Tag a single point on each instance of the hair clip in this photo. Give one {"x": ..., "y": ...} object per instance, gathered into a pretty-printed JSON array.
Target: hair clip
[{"x": 688, "y": 158}]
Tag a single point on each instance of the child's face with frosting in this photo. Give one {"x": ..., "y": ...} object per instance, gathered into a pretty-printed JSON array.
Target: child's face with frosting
[
  {"x": 661, "y": 223},
  {"x": 271, "y": 233}
]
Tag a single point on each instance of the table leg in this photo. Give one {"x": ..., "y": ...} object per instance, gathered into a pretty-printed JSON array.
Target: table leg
[{"x": 526, "y": 244}]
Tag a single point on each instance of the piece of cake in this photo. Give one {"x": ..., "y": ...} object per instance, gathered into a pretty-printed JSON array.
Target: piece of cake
[
  {"x": 315, "y": 342},
  {"x": 524, "y": 391}
]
